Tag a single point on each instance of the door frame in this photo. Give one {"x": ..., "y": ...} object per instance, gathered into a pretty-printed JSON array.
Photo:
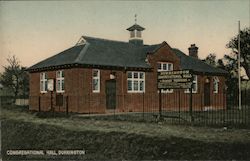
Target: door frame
[
  {"x": 207, "y": 93},
  {"x": 111, "y": 96}
]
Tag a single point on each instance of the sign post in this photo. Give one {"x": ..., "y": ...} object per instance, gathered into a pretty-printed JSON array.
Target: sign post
[
  {"x": 50, "y": 88},
  {"x": 160, "y": 105},
  {"x": 191, "y": 101},
  {"x": 180, "y": 79}
]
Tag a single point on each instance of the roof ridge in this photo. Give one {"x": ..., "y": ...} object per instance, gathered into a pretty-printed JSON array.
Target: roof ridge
[
  {"x": 82, "y": 52},
  {"x": 105, "y": 39},
  {"x": 125, "y": 42}
]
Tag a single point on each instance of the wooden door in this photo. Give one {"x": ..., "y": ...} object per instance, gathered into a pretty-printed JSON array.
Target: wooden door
[
  {"x": 207, "y": 94},
  {"x": 110, "y": 94}
]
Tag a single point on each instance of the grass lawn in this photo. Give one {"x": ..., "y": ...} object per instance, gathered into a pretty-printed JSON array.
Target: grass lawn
[{"x": 107, "y": 139}]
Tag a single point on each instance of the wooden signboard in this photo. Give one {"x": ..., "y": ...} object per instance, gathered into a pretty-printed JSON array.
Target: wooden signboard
[{"x": 181, "y": 79}]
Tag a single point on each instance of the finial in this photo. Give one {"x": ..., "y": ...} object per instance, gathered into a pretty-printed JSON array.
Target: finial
[{"x": 135, "y": 18}]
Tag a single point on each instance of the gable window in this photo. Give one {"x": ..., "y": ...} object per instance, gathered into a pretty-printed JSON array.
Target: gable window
[
  {"x": 136, "y": 82},
  {"x": 96, "y": 80},
  {"x": 195, "y": 85},
  {"x": 60, "y": 81},
  {"x": 165, "y": 66},
  {"x": 43, "y": 82},
  {"x": 215, "y": 84}
]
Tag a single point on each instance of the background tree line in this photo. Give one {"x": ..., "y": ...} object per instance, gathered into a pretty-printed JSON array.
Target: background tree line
[{"x": 230, "y": 61}]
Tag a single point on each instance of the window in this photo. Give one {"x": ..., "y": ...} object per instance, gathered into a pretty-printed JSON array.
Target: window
[
  {"x": 96, "y": 80},
  {"x": 135, "y": 34},
  {"x": 132, "y": 34},
  {"x": 164, "y": 66},
  {"x": 138, "y": 34},
  {"x": 60, "y": 81},
  {"x": 215, "y": 84},
  {"x": 195, "y": 85},
  {"x": 43, "y": 82},
  {"x": 136, "y": 82}
]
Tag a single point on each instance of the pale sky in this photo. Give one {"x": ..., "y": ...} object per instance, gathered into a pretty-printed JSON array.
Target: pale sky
[{"x": 34, "y": 31}]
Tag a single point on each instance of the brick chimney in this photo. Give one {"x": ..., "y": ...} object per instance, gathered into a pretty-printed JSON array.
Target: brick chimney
[{"x": 193, "y": 51}]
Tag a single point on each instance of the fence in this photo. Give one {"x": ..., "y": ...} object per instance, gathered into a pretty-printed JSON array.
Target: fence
[
  {"x": 19, "y": 101},
  {"x": 222, "y": 110}
]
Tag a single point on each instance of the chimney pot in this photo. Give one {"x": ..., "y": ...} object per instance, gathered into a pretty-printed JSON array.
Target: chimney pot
[{"x": 193, "y": 51}]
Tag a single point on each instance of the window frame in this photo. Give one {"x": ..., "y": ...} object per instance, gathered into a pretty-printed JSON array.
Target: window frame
[
  {"x": 167, "y": 69},
  {"x": 138, "y": 80},
  {"x": 132, "y": 34},
  {"x": 135, "y": 34},
  {"x": 195, "y": 83},
  {"x": 96, "y": 78},
  {"x": 60, "y": 79},
  {"x": 138, "y": 34},
  {"x": 216, "y": 85},
  {"x": 43, "y": 82}
]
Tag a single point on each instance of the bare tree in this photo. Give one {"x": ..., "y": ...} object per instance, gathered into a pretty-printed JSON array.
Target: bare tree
[{"x": 14, "y": 77}]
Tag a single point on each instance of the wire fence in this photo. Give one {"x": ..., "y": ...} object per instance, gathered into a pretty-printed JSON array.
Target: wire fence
[{"x": 222, "y": 110}]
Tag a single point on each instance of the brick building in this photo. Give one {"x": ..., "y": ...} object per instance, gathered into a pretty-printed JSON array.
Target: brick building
[{"x": 98, "y": 75}]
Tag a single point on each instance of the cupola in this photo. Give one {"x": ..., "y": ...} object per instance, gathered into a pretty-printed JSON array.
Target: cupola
[{"x": 136, "y": 33}]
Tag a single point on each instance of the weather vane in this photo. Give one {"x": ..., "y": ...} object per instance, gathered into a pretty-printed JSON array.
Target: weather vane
[{"x": 135, "y": 18}]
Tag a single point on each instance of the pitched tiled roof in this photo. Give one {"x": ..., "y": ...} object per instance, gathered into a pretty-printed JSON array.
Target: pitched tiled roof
[
  {"x": 190, "y": 63},
  {"x": 66, "y": 57},
  {"x": 102, "y": 52},
  {"x": 136, "y": 27},
  {"x": 114, "y": 53}
]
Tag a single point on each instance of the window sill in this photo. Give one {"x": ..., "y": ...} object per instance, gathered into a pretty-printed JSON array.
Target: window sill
[
  {"x": 192, "y": 92},
  {"x": 43, "y": 92},
  {"x": 135, "y": 91},
  {"x": 165, "y": 91},
  {"x": 60, "y": 91}
]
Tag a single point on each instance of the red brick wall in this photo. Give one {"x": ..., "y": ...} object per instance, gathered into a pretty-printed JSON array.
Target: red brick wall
[{"x": 81, "y": 99}]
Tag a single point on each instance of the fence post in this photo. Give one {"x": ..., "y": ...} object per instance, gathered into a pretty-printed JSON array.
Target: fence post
[
  {"x": 39, "y": 103},
  {"x": 191, "y": 102},
  {"x": 51, "y": 103},
  {"x": 160, "y": 103},
  {"x": 223, "y": 108},
  {"x": 143, "y": 106},
  {"x": 67, "y": 105},
  {"x": 179, "y": 95},
  {"x": 89, "y": 102}
]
